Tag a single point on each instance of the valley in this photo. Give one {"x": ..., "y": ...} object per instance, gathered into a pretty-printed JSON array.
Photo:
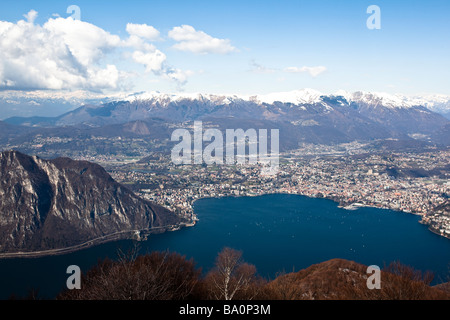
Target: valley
[{"x": 358, "y": 150}]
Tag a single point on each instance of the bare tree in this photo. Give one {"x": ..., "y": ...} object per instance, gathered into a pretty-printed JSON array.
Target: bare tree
[
  {"x": 155, "y": 276},
  {"x": 285, "y": 288},
  {"x": 231, "y": 276},
  {"x": 408, "y": 284},
  {"x": 398, "y": 282}
]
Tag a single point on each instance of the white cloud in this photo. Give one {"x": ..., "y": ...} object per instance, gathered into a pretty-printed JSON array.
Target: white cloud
[
  {"x": 108, "y": 77},
  {"x": 61, "y": 54},
  {"x": 155, "y": 62},
  {"x": 65, "y": 53},
  {"x": 31, "y": 16},
  {"x": 199, "y": 42},
  {"x": 87, "y": 42},
  {"x": 313, "y": 71},
  {"x": 178, "y": 75},
  {"x": 142, "y": 31},
  {"x": 152, "y": 60}
]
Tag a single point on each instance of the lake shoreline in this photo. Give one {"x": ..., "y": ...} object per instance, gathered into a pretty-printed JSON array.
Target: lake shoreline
[
  {"x": 116, "y": 237},
  {"x": 274, "y": 231},
  {"x": 139, "y": 235},
  {"x": 350, "y": 206}
]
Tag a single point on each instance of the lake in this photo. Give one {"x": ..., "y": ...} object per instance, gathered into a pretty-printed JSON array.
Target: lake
[{"x": 278, "y": 232}]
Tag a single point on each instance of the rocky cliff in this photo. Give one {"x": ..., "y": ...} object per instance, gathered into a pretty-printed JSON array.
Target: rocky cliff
[{"x": 59, "y": 203}]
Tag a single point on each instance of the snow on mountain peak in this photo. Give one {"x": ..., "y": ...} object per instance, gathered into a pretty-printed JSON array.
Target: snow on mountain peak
[
  {"x": 55, "y": 102},
  {"x": 302, "y": 96},
  {"x": 381, "y": 99},
  {"x": 305, "y": 96}
]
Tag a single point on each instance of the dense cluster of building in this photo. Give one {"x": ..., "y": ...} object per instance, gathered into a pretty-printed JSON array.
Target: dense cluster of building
[
  {"x": 352, "y": 174},
  {"x": 410, "y": 182}
]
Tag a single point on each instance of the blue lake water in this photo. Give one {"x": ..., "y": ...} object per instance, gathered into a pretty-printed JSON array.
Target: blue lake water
[{"x": 275, "y": 232}]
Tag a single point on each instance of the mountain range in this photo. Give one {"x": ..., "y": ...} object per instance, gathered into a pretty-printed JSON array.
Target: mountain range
[
  {"x": 54, "y": 204},
  {"x": 55, "y": 103},
  {"x": 302, "y": 116}
]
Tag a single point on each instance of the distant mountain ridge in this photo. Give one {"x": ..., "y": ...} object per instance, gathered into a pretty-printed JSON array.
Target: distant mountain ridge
[
  {"x": 307, "y": 96},
  {"x": 303, "y": 116},
  {"x": 16, "y": 104},
  {"x": 277, "y": 106},
  {"x": 59, "y": 203}
]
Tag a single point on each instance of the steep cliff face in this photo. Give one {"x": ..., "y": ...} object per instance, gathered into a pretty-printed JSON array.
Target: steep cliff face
[{"x": 49, "y": 204}]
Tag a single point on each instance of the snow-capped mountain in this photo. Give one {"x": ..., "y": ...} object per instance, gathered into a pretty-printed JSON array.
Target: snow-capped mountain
[
  {"x": 305, "y": 108},
  {"x": 54, "y": 103},
  {"x": 165, "y": 98},
  {"x": 436, "y": 103},
  {"x": 303, "y": 96},
  {"x": 304, "y": 115},
  {"x": 377, "y": 99}
]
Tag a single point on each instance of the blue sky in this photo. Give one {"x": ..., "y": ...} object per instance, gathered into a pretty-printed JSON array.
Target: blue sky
[{"x": 259, "y": 46}]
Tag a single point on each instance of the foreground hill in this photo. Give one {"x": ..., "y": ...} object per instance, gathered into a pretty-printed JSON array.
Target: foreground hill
[
  {"x": 340, "y": 279},
  {"x": 169, "y": 276},
  {"x": 59, "y": 203}
]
